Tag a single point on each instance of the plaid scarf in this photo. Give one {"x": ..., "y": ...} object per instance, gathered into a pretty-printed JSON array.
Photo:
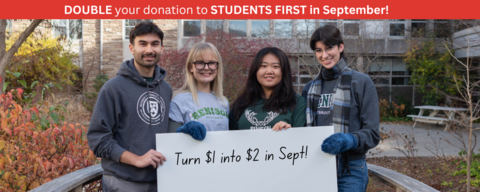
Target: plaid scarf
[{"x": 341, "y": 98}]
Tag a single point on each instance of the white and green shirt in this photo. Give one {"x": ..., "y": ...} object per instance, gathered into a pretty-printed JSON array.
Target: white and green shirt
[{"x": 209, "y": 111}]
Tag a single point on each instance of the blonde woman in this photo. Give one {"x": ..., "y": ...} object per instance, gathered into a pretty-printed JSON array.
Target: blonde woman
[{"x": 201, "y": 98}]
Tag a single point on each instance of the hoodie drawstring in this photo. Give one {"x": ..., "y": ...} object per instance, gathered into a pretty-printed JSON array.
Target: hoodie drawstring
[
  {"x": 148, "y": 96},
  {"x": 149, "y": 110}
]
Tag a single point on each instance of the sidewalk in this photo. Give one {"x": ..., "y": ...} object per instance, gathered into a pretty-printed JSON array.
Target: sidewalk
[{"x": 424, "y": 141}]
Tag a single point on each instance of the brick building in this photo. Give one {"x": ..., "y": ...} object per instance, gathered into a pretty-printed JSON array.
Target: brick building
[{"x": 374, "y": 47}]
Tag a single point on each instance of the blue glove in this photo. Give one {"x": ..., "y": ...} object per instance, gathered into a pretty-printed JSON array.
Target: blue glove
[
  {"x": 339, "y": 142},
  {"x": 194, "y": 129}
]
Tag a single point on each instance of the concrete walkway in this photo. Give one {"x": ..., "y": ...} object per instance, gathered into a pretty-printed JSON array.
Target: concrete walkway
[{"x": 426, "y": 135}]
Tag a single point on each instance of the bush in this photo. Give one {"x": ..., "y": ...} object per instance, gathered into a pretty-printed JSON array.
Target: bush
[
  {"x": 91, "y": 97},
  {"x": 31, "y": 156},
  {"x": 474, "y": 168},
  {"x": 41, "y": 59},
  {"x": 393, "y": 112}
]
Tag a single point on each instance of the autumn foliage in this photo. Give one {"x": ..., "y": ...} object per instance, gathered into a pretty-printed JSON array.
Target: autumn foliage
[
  {"x": 42, "y": 59},
  {"x": 31, "y": 156}
]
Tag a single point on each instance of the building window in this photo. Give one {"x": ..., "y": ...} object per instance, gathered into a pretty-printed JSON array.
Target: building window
[
  {"x": 214, "y": 26},
  {"x": 328, "y": 22},
  {"x": 400, "y": 73},
  {"x": 283, "y": 28},
  {"x": 397, "y": 27},
  {"x": 237, "y": 28},
  {"x": 305, "y": 28},
  {"x": 130, "y": 24},
  {"x": 68, "y": 28},
  {"x": 419, "y": 28},
  {"x": 191, "y": 28},
  {"x": 260, "y": 28},
  {"x": 75, "y": 28},
  {"x": 379, "y": 71},
  {"x": 441, "y": 28},
  {"x": 392, "y": 77},
  {"x": 351, "y": 27}
]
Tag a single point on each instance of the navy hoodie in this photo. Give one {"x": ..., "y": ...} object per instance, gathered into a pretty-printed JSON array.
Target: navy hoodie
[{"x": 128, "y": 113}]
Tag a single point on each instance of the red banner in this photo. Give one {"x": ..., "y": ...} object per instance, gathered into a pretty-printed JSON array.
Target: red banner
[{"x": 246, "y": 9}]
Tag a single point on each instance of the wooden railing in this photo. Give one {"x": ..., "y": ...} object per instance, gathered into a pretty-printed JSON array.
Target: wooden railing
[
  {"x": 397, "y": 180},
  {"x": 74, "y": 182}
]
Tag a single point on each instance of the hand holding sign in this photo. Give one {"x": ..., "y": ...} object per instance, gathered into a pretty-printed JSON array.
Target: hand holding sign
[
  {"x": 230, "y": 159},
  {"x": 339, "y": 142},
  {"x": 194, "y": 129}
]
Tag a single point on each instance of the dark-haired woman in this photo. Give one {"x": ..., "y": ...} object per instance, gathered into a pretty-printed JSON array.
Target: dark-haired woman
[
  {"x": 268, "y": 100},
  {"x": 347, "y": 100}
]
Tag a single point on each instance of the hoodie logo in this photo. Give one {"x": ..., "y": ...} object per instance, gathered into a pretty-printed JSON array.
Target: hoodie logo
[
  {"x": 251, "y": 117},
  {"x": 151, "y": 108}
]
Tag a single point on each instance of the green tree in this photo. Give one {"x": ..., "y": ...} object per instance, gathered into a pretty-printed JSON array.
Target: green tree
[{"x": 431, "y": 72}]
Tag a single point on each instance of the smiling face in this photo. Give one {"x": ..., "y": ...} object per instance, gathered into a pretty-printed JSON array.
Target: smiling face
[
  {"x": 206, "y": 75},
  {"x": 269, "y": 74},
  {"x": 146, "y": 50},
  {"x": 328, "y": 56}
]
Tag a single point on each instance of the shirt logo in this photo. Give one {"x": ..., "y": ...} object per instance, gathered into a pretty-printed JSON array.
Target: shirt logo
[
  {"x": 151, "y": 108},
  {"x": 208, "y": 111},
  {"x": 250, "y": 115},
  {"x": 325, "y": 101}
]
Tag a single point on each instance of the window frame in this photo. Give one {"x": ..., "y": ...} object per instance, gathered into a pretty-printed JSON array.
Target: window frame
[
  {"x": 296, "y": 25},
  {"x": 291, "y": 29},
  {"x": 246, "y": 27},
  {"x": 197, "y": 20},
  {"x": 435, "y": 23},
  {"x": 424, "y": 21},
  {"x": 250, "y": 33},
  {"x": 126, "y": 37},
  {"x": 55, "y": 23},
  {"x": 206, "y": 25},
  {"x": 352, "y": 21},
  {"x": 389, "y": 61},
  {"x": 397, "y": 21}
]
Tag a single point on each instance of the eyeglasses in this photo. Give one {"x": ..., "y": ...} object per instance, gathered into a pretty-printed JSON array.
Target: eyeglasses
[
  {"x": 328, "y": 50},
  {"x": 201, "y": 65}
]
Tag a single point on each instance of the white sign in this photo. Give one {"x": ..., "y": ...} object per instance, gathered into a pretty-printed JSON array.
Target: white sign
[{"x": 247, "y": 160}]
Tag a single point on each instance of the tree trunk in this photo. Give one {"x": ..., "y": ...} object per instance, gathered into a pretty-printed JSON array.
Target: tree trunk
[
  {"x": 6, "y": 56},
  {"x": 3, "y": 25},
  {"x": 469, "y": 159}
]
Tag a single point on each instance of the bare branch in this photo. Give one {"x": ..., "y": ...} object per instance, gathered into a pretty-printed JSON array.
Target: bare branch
[
  {"x": 6, "y": 59},
  {"x": 453, "y": 55}
]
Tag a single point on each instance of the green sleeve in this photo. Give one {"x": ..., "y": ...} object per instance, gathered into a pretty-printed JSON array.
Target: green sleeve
[{"x": 298, "y": 115}]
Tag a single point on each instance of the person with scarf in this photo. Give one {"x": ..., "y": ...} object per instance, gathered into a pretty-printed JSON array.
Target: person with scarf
[{"x": 347, "y": 100}]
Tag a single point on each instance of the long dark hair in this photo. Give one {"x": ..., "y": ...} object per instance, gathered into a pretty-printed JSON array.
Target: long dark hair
[
  {"x": 328, "y": 35},
  {"x": 283, "y": 95}
]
